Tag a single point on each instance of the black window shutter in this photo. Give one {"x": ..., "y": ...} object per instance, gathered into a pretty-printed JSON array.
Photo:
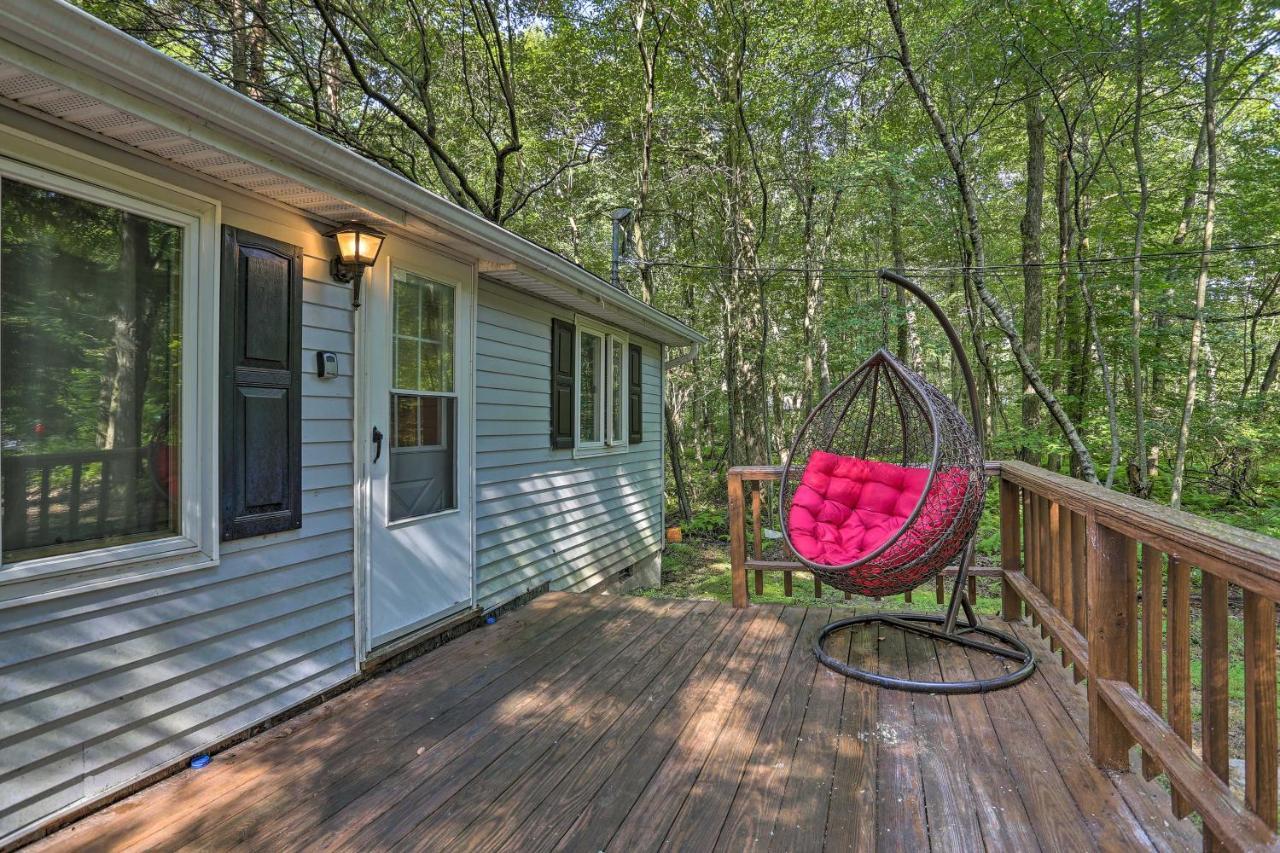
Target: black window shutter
[
  {"x": 562, "y": 335},
  {"x": 261, "y": 385},
  {"x": 635, "y": 396}
]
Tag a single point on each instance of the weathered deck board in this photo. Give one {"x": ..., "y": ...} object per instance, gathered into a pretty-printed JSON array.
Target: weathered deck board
[
  {"x": 593, "y": 722},
  {"x": 851, "y": 814},
  {"x": 901, "y": 822},
  {"x": 749, "y": 823},
  {"x": 948, "y": 791}
]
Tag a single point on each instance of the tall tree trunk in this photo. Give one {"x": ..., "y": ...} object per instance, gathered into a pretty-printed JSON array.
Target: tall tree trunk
[
  {"x": 1091, "y": 322},
  {"x": 248, "y": 46},
  {"x": 1189, "y": 194},
  {"x": 817, "y": 371},
  {"x": 1202, "y": 279},
  {"x": 1139, "y": 481},
  {"x": 1002, "y": 316},
  {"x": 130, "y": 337},
  {"x": 746, "y": 292},
  {"x": 1077, "y": 323},
  {"x": 1251, "y": 334},
  {"x": 744, "y": 336},
  {"x": 648, "y": 66},
  {"x": 988, "y": 389},
  {"x": 673, "y": 452},
  {"x": 908, "y": 344},
  {"x": 1062, "y": 209},
  {"x": 733, "y": 404},
  {"x": 1031, "y": 228},
  {"x": 1269, "y": 378},
  {"x": 1066, "y": 237}
]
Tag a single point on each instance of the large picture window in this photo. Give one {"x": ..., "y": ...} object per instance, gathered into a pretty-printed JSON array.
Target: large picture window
[
  {"x": 90, "y": 384},
  {"x": 108, "y": 394}
]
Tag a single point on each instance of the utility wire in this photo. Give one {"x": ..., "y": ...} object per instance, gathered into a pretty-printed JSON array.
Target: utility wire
[{"x": 836, "y": 272}]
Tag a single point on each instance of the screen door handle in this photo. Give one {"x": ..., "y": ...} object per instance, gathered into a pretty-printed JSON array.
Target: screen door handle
[{"x": 377, "y": 443}]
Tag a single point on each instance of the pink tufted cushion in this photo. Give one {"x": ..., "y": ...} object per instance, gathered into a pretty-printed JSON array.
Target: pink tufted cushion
[{"x": 845, "y": 507}]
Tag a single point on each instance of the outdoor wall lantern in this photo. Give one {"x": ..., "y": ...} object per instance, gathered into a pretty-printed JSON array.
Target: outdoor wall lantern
[{"x": 358, "y": 247}]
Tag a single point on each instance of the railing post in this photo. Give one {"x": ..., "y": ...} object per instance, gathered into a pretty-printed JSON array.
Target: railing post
[
  {"x": 1152, "y": 641},
  {"x": 1260, "y": 706},
  {"x": 1010, "y": 549},
  {"x": 1052, "y": 584},
  {"x": 1111, "y": 634},
  {"x": 757, "y": 550},
  {"x": 1178, "y": 642},
  {"x": 1214, "y": 699},
  {"x": 737, "y": 541}
]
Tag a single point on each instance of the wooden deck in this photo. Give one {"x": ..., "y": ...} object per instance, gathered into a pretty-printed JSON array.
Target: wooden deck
[{"x": 589, "y": 722}]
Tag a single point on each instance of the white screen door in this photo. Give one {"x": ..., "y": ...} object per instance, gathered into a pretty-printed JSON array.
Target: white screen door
[{"x": 419, "y": 444}]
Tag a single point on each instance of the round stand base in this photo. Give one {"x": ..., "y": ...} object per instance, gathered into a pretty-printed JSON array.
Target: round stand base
[{"x": 1009, "y": 648}]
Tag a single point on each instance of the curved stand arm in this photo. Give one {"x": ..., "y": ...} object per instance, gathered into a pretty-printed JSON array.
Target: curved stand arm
[
  {"x": 957, "y": 347},
  {"x": 958, "y": 598}
]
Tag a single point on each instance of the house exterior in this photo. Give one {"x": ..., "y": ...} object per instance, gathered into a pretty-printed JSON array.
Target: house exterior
[{"x": 228, "y": 490}]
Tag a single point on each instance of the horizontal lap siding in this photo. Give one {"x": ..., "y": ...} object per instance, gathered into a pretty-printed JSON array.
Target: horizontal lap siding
[
  {"x": 100, "y": 688},
  {"x": 543, "y": 516}
]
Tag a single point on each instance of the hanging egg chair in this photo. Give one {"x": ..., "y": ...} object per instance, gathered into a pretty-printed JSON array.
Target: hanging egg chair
[
  {"x": 886, "y": 484},
  {"x": 883, "y": 489}
]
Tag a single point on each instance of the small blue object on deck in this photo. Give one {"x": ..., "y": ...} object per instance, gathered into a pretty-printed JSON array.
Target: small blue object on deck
[
  {"x": 490, "y": 619},
  {"x": 200, "y": 761}
]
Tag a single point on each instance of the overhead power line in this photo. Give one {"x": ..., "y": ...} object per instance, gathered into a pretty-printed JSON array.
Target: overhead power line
[{"x": 830, "y": 271}]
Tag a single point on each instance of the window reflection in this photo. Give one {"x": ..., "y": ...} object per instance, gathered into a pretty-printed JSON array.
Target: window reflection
[
  {"x": 89, "y": 382},
  {"x": 589, "y": 356}
]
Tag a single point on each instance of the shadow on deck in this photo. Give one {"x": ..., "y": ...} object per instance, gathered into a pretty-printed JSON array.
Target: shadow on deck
[{"x": 588, "y": 722}]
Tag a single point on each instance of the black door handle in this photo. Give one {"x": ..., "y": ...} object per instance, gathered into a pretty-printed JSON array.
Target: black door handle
[{"x": 377, "y": 443}]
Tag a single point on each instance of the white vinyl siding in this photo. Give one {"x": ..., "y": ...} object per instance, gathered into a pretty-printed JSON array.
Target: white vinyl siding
[
  {"x": 543, "y": 516},
  {"x": 99, "y": 688}
]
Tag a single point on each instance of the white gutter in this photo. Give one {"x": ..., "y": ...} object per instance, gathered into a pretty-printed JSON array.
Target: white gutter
[{"x": 70, "y": 38}]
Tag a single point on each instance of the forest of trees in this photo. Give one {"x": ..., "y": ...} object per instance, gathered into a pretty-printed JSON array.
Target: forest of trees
[{"x": 1091, "y": 189}]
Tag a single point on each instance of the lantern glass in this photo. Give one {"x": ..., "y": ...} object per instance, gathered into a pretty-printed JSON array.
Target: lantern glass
[
  {"x": 367, "y": 248},
  {"x": 358, "y": 245},
  {"x": 348, "y": 245}
]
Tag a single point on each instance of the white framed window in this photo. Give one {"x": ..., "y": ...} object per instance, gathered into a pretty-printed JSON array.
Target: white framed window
[
  {"x": 108, "y": 294},
  {"x": 600, "y": 383}
]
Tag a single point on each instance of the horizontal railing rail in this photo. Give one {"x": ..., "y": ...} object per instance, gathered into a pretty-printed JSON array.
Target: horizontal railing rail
[{"x": 1107, "y": 577}]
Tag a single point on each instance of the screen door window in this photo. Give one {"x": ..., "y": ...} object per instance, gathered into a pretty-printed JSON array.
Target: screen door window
[{"x": 424, "y": 405}]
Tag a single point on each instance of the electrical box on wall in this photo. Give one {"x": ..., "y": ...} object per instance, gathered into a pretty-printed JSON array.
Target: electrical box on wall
[{"x": 326, "y": 364}]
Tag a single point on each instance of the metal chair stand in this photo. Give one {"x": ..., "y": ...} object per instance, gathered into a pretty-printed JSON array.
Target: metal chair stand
[{"x": 968, "y": 634}]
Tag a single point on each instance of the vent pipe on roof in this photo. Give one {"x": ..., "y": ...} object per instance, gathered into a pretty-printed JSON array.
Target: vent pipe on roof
[{"x": 619, "y": 216}]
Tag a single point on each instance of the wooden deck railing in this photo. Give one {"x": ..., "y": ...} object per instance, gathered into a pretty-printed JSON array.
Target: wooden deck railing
[{"x": 1108, "y": 579}]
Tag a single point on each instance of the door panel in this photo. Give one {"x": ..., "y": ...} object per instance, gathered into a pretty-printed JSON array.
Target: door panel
[
  {"x": 423, "y": 466},
  {"x": 418, "y": 334}
]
